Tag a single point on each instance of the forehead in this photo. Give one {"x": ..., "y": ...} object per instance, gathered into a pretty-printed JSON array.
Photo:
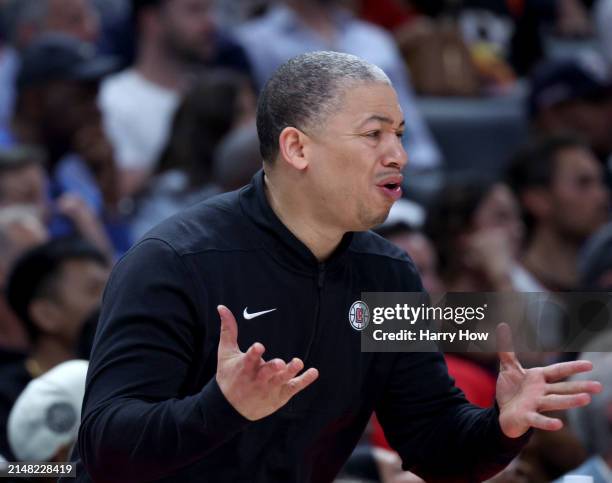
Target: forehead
[
  {"x": 366, "y": 101},
  {"x": 576, "y": 160}
]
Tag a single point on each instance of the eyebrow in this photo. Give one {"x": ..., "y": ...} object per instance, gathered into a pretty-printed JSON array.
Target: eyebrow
[{"x": 383, "y": 119}]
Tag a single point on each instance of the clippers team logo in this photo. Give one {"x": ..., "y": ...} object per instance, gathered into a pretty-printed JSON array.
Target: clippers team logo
[{"x": 359, "y": 315}]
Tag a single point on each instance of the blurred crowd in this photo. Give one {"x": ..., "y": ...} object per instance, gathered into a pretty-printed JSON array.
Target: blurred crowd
[{"x": 116, "y": 114}]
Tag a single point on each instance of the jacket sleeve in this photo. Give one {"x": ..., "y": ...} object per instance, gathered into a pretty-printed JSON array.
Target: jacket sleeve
[
  {"x": 138, "y": 424},
  {"x": 439, "y": 435}
]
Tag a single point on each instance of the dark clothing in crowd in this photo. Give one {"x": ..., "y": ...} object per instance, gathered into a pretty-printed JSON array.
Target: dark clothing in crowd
[
  {"x": 14, "y": 377},
  {"x": 154, "y": 411}
]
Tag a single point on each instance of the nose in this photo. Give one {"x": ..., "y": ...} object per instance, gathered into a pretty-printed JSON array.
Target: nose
[{"x": 395, "y": 155}]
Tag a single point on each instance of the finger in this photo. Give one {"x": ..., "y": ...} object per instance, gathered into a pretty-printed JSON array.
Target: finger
[
  {"x": 505, "y": 347},
  {"x": 270, "y": 369},
  {"x": 556, "y": 402},
  {"x": 228, "y": 340},
  {"x": 574, "y": 387},
  {"x": 562, "y": 370},
  {"x": 252, "y": 358},
  {"x": 539, "y": 421},
  {"x": 291, "y": 370},
  {"x": 299, "y": 383}
]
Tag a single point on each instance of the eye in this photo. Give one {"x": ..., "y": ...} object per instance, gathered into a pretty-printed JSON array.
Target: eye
[
  {"x": 373, "y": 134},
  {"x": 400, "y": 134}
]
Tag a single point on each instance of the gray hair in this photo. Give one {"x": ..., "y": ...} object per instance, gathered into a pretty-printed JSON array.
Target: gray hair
[{"x": 305, "y": 90}]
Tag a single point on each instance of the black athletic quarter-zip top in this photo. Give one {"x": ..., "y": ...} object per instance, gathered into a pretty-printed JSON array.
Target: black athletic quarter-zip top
[{"x": 153, "y": 410}]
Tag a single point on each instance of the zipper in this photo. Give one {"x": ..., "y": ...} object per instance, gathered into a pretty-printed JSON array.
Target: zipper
[
  {"x": 320, "y": 285},
  {"x": 320, "y": 281}
]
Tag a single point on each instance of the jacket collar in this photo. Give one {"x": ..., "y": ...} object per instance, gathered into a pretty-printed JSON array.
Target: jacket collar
[{"x": 291, "y": 250}]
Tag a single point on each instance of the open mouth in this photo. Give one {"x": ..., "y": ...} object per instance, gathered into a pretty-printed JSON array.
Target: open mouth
[
  {"x": 392, "y": 190},
  {"x": 391, "y": 186}
]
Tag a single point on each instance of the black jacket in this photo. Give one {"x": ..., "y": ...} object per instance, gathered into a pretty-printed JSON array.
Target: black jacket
[{"x": 153, "y": 410}]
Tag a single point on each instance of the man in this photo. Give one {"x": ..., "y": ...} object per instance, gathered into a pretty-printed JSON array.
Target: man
[
  {"x": 175, "y": 40},
  {"x": 53, "y": 288},
  {"x": 560, "y": 186},
  {"x": 170, "y": 394},
  {"x": 574, "y": 96},
  {"x": 26, "y": 20},
  {"x": 293, "y": 27},
  {"x": 20, "y": 230},
  {"x": 57, "y": 110}
]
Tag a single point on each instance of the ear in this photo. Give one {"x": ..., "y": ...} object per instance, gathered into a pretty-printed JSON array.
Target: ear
[
  {"x": 291, "y": 146},
  {"x": 537, "y": 202},
  {"x": 46, "y": 315}
]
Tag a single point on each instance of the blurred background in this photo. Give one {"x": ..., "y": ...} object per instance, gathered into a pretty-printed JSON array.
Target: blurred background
[{"x": 116, "y": 114}]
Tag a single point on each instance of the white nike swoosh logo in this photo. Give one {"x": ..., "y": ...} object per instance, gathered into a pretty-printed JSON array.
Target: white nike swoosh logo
[{"x": 248, "y": 316}]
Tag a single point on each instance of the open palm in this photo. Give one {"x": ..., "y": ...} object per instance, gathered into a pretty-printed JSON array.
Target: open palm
[{"x": 523, "y": 394}]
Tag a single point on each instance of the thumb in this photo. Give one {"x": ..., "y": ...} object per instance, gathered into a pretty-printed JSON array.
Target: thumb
[{"x": 228, "y": 341}]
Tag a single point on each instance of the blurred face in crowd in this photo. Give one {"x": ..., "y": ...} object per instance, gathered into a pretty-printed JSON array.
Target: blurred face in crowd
[
  {"x": 25, "y": 185},
  {"x": 73, "y": 17},
  {"x": 500, "y": 211},
  {"x": 186, "y": 29},
  {"x": 420, "y": 249},
  {"x": 355, "y": 158},
  {"x": 64, "y": 107},
  {"x": 578, "y": 200},
  {"x": 592, "y": 120},
  {"x": 74, "y": 297}
]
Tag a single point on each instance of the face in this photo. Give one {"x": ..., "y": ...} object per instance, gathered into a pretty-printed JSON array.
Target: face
[
  {"x": 187, "y": 29},
  {"x": 578, "y": 195},
  {"x": 592, "y": 120},
  {"x": 25, "y": 186},
  {"x": 419, "y": 248},
  {"x": 77, "y": 18},
  {"x": 500, "y": 211},
  {"x": 79, "y": 293},
  {"x": 67, "y": 107},
  {"x": 355, "y": 159}
]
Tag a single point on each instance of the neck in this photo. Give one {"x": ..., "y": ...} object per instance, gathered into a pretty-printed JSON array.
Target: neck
[
  {"x": 552, "y": 258},
  {"x": 49, "y": 352},
  {"x": 160, "y": 69},
  {"x": 295, "y": 214}
]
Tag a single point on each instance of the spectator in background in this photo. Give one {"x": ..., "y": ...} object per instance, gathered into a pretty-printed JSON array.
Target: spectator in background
[
  {"x": 403, "y": 229},
  {"x": 175, "y": 40},
  {"x": 24, "y": 181},
  {"x": 52, "y": 288},
  {"x": 218, "y": 103},
  {"x": 595, "y": 262},
  {"x": 559, "y": 183},
  {"x": 44, "y": 422},
  {"x": 20, "y": 230},
  {"x": 574, "y": 96},
  {"x": 56, "y": 109},
  {"x": 593, "y": 425},
  {"x": 25, "y": 21},
  {"x": 602, "y": 14},
  {"x": 476, "y": 228},
  {"x": 293, "y": 27}
]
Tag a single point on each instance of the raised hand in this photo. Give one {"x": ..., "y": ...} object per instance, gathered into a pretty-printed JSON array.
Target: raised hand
[
  {"x": 523, "y": 394},
  {"x": 254, "y": 387}
]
